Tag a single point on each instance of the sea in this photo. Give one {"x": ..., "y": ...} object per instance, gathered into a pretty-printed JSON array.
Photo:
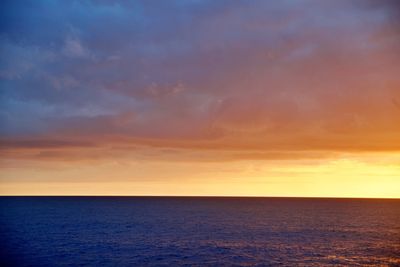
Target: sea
[{"x": 198, "y": 231}]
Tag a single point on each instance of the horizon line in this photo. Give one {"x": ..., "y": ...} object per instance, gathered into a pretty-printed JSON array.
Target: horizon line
[{"x": 209, "y": 196}]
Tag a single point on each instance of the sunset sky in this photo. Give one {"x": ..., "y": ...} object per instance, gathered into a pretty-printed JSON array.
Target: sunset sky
[{"x": 211, "y": 97}]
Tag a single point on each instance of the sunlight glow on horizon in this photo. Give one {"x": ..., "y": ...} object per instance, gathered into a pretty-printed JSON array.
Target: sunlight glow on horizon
[
  {"x": 240, "y": 98},
  {"x": 358, "y": 178}
]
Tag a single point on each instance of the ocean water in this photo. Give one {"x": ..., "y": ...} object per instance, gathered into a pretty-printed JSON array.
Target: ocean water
[{"x": 157, "y": 231}]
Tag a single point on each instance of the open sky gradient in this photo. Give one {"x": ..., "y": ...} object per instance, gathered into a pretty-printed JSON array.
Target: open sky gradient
[{"x": 268, "y": 98}]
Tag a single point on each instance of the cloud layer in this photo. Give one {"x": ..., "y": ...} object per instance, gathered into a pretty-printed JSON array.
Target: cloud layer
[{"x": 81, "y": 79}]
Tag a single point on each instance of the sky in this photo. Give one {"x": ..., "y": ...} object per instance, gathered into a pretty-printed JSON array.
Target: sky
[{"x": 190, "y": 97}]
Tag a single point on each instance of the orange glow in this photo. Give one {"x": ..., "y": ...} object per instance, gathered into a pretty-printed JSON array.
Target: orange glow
[
  {"x": 267, "y": 98},
  {"x": 373, "y": 175}
]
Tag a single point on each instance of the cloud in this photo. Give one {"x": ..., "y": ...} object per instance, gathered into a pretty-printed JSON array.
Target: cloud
[
  {"x": 74, "y": 48},
  {"x": 220, "y": 75},
  {"x": 31, "y": 143}
]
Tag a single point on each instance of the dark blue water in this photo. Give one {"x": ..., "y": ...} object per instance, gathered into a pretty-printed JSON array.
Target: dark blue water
[{"x": 125, "y": 231}]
